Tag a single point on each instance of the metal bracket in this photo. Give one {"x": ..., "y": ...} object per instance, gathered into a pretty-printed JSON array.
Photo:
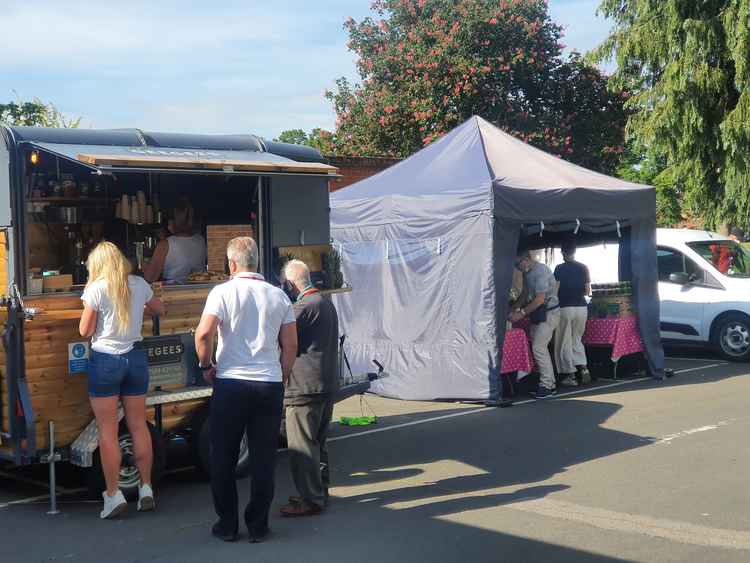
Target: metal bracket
[{"x": 51, "y": 458}]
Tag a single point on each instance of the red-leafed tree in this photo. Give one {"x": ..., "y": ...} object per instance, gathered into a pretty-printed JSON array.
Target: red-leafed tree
[{"x": 428, "y": 65}]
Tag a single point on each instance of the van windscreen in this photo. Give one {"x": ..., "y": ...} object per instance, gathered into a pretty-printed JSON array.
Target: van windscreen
[{"x": 727, "y": 256}]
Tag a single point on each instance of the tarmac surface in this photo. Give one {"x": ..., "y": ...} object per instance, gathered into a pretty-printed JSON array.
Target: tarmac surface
[{"x": 628, "y": 470}]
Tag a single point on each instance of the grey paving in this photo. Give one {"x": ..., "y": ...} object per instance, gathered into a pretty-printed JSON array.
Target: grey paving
[{"x": 637, "y": 472}]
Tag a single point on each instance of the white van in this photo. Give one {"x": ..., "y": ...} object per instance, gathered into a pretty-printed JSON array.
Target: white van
[{"x": 704, "y": 288}]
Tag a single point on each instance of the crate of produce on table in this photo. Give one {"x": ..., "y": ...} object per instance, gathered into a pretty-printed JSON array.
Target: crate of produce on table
[{"x": 611, "y": 300}]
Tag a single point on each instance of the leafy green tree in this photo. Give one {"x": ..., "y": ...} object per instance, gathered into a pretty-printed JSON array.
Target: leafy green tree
[
  {"x": 428, "y": 65},
  {"x": 35, "y": 114},
  {"x": 687, "y": 64},
  {"x": 294, "y": 136},
  {"x": 317, "y": 138}
]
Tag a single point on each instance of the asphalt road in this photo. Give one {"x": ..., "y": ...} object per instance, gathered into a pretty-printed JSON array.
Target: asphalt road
[{"x": 627, "y": 471}]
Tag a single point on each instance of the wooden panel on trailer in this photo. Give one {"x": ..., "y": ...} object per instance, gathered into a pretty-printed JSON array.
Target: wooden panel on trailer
[
  {"x": 57, "y": 395},
  {"x": 176, "y": 162}
]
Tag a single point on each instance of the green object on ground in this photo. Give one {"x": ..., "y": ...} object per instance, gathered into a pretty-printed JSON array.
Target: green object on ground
[{"x": 358, "y": 420}]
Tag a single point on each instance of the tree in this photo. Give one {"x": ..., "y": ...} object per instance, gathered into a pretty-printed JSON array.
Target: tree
[
  {"x": 35, "y": 114},
  {"x": 428, "y": 65},
  {"x": 294, "y": 136},
  {"x": 317, "y": 138},
  {"x": 687, "y": 64}
]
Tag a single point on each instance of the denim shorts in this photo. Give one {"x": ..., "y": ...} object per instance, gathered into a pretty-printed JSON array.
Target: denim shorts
[{"x": 112, "y": 375}]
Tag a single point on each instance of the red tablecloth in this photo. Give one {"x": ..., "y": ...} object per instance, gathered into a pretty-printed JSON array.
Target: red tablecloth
[
  {"x": 516, "y": 352},
  {"x": 622, "y": 334}
]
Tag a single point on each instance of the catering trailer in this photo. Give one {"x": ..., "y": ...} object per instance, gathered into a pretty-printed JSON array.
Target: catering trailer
[{"x": 64, "y": 190}]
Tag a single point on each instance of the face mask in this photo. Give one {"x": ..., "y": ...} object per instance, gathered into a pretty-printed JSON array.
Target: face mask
[{"x": 289, "y": 289}]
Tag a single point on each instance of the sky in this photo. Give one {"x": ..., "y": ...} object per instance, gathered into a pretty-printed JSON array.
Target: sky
[{"x": 201, "y": 67}]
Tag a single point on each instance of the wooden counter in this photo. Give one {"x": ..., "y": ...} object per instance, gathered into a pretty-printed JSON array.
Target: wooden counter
[
  {"x": 62, "y": 397},
  {"x": 57, "y": 395}
]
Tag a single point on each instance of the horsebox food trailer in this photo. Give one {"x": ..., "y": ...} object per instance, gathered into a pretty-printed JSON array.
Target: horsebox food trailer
[{"x": 64, "y": 190}]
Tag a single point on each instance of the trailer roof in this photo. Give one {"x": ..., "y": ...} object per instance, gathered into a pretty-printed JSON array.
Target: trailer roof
[{"x": 150, "y": 139}]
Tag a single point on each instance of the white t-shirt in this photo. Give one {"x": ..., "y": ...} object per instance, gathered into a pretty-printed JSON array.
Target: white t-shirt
[
  {"x": 185, "y": 255},
  {"x": 251, "y": 313},
  {"x": 107, "y": 338}
]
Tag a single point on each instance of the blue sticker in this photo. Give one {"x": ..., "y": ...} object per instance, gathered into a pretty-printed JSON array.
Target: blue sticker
[{"x": 78, "y": 353}]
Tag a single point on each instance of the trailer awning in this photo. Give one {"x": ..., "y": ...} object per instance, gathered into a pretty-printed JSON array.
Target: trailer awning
[{"x": 165, "y": 159}]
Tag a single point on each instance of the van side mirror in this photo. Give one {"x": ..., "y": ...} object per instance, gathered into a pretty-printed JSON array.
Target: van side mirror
[{"x": 680, "y": 278}]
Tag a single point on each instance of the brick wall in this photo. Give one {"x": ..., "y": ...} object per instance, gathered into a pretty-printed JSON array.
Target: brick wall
[{"x": 356, "y": 168}]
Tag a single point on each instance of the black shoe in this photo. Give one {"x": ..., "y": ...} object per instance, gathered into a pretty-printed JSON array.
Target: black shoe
[
  {"x": 219, "y": 532},
  {"x": 258, "y": 537}
]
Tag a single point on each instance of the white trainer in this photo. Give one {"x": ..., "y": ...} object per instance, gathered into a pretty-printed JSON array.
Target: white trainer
[
  {"x": 569, "y": 381},
  {"x": 146, "y": 498},
  {"x": 114, "y": 506}
]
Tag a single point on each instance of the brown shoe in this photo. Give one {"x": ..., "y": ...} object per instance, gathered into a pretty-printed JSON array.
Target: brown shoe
[{"x": 300, "y": 509}]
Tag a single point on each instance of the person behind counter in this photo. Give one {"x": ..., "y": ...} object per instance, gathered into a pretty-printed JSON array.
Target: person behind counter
[
  {"x": 179, "y": 254},
  {"x": 113, "y": 305}
]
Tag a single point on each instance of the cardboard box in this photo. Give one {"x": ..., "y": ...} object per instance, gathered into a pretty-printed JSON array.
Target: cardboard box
[{"x": 62, "y": 282}]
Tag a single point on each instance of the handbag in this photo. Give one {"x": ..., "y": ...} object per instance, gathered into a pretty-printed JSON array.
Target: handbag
[{"x": 538, "y": 315}]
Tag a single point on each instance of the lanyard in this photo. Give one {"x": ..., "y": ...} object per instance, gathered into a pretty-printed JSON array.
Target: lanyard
[
  {"x": 307, "y": 291},
  {"x": 249, "y": 276}
]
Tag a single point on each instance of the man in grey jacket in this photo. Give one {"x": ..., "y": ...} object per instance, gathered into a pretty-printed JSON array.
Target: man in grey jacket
[
  {"x": 543, "y": 310},
  {"x": 308, "y": 397}
]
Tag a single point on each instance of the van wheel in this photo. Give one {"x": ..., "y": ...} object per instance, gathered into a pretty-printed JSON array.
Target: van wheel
[
  {"x": 732, "y": 337},
  {"x": 202, "y": 449},
  {"x": 129, "y": 477}
]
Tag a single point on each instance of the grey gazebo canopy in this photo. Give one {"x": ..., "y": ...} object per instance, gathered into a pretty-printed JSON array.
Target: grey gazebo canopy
[{"x": 428, "y": 246}]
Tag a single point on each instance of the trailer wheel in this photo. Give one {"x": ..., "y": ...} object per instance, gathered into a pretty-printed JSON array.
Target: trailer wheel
[
  {"x": 202, "y": 449},
  {"x": 129, "y": 475}
]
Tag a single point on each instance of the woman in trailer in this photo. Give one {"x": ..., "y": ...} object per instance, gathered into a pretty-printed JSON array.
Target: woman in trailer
[
  {"x": 181, "y": 253},
  {"x": 113, "y": 306}
]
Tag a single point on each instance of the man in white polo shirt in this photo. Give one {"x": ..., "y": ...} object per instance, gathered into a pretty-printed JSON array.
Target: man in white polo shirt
[{"x": 256, "y": 352}]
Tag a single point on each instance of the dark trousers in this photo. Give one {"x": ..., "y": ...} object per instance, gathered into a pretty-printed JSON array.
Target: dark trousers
[
  {"x": 307, "y": 431},
  {"x": 238, "y": 406}
]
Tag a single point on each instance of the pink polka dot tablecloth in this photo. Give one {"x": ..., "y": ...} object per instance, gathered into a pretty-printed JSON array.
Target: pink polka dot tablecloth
[
  {"x": 516, "y": 353},
  {"x": 622, "y": 334}
]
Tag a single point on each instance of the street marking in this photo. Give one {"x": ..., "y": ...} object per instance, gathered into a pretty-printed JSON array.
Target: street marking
[
  {"x": 682, "y": 434},
  {"x": 515, "y": 403},
  {"x": 672, "y": 530},
  {"x": 34, "y": 482},
  {"x": 484, "y": 409},
  {"x": 38, "y": 498},
  {"x": 694, "y": 360},
  {"x": 709, "y": 366}
]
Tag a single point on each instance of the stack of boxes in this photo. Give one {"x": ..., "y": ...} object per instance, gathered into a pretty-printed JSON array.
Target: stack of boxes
[{"x": 217, "y": 238}]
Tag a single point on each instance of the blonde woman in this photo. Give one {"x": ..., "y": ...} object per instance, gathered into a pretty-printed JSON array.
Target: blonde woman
[{"x": 113, "y": 307}]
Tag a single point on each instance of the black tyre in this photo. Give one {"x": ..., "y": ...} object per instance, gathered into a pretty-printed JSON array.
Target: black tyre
[
  {"x": 731, "y": 337},
  {"x": 129, "y": 475},
  {"x": 202, "y": 449}
]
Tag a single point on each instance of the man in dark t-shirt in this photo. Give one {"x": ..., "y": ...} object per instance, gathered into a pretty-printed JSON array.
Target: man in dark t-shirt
[
  {"x": 575, "y": 285},
  {"x": 309, "y": 395}
]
